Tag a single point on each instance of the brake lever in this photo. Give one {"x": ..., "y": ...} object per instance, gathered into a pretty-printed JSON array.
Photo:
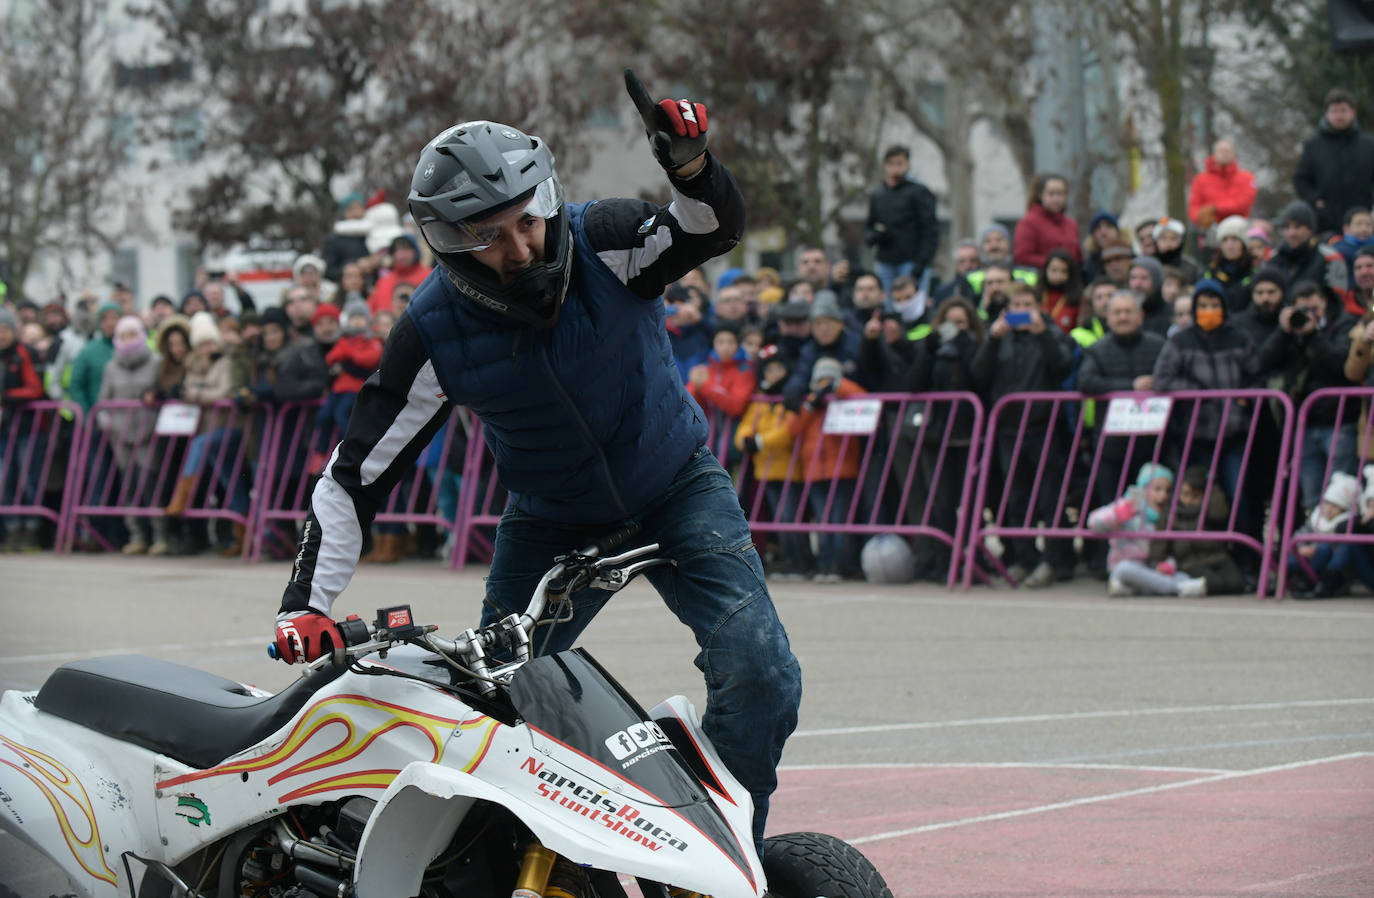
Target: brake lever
[{"x": 616, "y": 579}]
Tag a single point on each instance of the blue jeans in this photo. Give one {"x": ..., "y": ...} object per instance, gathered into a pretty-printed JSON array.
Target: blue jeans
[
  {"x": 1316, "y": 447},
  {"x": 887, "y": 273},
  {"x": 220, "y": 449},
  {"x": 1347, "y": 558},
  {"x": 717, "y": 588}
]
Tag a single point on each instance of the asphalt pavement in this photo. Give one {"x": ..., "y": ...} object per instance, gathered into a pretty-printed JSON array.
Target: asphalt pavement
[{"x": 992, "y": 743}]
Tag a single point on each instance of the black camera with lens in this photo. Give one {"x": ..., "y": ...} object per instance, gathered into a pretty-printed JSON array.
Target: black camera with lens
[{"x": 1298, "y": 320}]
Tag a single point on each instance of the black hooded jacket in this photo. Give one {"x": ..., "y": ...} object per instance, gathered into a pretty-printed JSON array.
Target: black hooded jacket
[
  {"x": 1220, "y": 359},
  {"x": 1310, "y": 362}
]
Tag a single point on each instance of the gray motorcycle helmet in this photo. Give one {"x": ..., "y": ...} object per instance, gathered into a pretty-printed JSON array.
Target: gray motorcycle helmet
[{"x": 472, "y": 172}]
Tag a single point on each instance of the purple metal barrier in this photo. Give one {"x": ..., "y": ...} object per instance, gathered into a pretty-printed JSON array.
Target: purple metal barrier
[
  {"x": 1343, "y": 407},
  {"x": 1070, "y": 468},
  {"x": 287, "y": 484},
  {"x": 38, "y": 440},
  {"x": 127, "y": 468},
  {"x": 913, "y": 437}
]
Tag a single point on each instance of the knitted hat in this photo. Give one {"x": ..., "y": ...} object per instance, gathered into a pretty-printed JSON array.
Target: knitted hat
[
  {"x": 826, "y": 305},
  {"x": 1271, "y": 275},
  {"x": 1169, "y": 224},
  {"x": 728, "y": 277},
  {"x": 1149, "y": 471},
  {"x": 349, "y": 199},
  {"x": 1260, "y": 234},
  {"x": 1342, "y": 490},
  {"x": 126, "y": 323},
  {"x": 1209, "y": 285},
  {"x": 1100, "y": 216},
  {"x": 325, "y": 310},
  {"x": 204, "y": 329},
  {"x": 1233, "y": 226},
  {"x": 305, "y": 259},
  {"x": 793, "y": 310},
  {"x": 1299, "y": 212},
  {"x": 826, "y": 367},
  {"x": 356, "y": 307},
  {"x": 108, "y": 306},
  {"x": 1151, "y": 264},
  {"x": 770, "y": 295}
]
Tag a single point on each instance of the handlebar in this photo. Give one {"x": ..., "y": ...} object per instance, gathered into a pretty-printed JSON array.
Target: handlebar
[{"x": 590, "y": 566}]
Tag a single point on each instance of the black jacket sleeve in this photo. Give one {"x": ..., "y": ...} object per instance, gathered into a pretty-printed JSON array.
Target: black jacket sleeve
[
  {"x": 650, "y": 246},
  {"x": 399, "y": 410}
]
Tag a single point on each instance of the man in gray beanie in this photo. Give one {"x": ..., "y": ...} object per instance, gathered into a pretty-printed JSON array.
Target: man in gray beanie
[
  {"x": 1146, "y": 279},
  {"x": 1300, "y": 257},
  {"x": 832, "y": 336}
]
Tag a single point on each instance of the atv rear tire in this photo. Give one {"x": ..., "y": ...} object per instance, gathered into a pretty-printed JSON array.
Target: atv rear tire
[{"x": 804, "y": 865}]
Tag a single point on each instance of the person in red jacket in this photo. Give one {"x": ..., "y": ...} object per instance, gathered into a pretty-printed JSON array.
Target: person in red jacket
[
  {"x": 351, "y": 361},
  {"x": 1045, "y": 226},
  {"x": 406, "y": 268},
  {"x": 21, "y": 443},
  {"x": 726, "y": 380},
  {"x": 1221, "y": 189}
]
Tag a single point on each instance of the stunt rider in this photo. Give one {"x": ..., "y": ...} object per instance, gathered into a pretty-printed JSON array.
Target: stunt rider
[{"x": 545, "y": 319}]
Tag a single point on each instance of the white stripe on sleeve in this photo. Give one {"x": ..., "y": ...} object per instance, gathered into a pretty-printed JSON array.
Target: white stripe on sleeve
[
  {"x": 422, "y": 404},
  {"x": 626, "y": 264},
  {"x": 694, "y": 216}
]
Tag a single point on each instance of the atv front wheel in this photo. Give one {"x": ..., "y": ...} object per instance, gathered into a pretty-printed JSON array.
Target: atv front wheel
[{"x": 805, "y": 865}]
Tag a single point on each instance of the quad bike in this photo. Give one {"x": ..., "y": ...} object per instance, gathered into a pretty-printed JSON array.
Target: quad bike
[{"x": 402, "y": 764}]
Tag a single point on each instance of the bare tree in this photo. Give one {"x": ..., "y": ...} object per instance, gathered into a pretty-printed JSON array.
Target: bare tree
[
  {"x": 58, "y": 189},
  {"x": 304, "y": 101}
]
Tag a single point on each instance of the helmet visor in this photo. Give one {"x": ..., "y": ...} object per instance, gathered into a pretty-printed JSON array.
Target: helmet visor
[{"x": 471, "y": 236}]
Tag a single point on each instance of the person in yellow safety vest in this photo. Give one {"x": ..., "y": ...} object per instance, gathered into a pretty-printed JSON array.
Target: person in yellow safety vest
[{"x": 994, "y": 283}]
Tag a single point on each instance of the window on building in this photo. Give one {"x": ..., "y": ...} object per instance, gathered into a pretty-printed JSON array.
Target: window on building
[
  {"x": 188, "y": 134},
  {"x": 124, "y": 268},
  {"x": 124, "y": 133},
  {"x": 188, "y": 261},
  {"x": 134, "y": 77}
]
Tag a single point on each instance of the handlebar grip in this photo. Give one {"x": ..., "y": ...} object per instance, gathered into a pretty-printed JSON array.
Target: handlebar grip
[{"x": 611, "y": 541}]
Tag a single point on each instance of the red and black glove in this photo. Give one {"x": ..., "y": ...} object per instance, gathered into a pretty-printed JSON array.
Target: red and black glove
[
  {"x": 303, "y": 636},
  {"x": 676, "y": 128}
]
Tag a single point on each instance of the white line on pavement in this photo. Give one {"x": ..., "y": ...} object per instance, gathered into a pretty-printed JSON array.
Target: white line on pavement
[
  {"x": 1097, "y": 799},
  {"x": 1077, "y": 715},
  {"x": 995, "y": 765}
]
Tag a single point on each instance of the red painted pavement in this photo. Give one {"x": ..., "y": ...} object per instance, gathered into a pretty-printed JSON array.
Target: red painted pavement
[{"x": 1297, "y": 832}]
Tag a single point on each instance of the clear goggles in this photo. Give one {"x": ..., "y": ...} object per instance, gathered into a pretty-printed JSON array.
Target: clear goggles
[{"x": 470, "y": 236}]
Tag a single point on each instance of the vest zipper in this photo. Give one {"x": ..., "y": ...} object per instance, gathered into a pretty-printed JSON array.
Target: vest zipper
[{"x": 586, "y": 431}]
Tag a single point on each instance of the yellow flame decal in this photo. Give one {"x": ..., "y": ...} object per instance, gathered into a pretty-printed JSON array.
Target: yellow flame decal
[
  {"x": 48, "y": 774},
  {"x": 343, "y": 741}
]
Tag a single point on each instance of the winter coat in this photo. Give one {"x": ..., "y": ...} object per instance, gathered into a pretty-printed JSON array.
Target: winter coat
[
  {"x": 1125, "y": 514},
  {"x": 1313, "y": 361},
  {"x": 941, "y": 366},
  {"x": 87, "y": 370},
  {"x": 1349, "y": 246},
  {"x": 1222, "y": 359},
  {"x": 772, "y": 424},
  {"x": 1312, "y": 261},
  {"x": 847, "y": 350},
  {"x": 909, "y": 231},
  {"x": 1191, "y": 555},
  {"x": 19, "y": 380},
  {"x": 1114, "y": 362},
  {"x": 207, "y": 383},
  {"x": 1023, "y": 362},
  {"x": 1255, "y": 324},
  {"x": 821, "y": 457},
  {"x": 1056, "y": 307},
  {"x": 302, "y": 373},
  {"x": 380, "y": 298},
  {"x": 358, "y": 356},
  {"x": 1336, "y": 167},
  {"x": 1040, "y": 231},
  {"x": 130, "y": 429},
  {"x": 1159, "y": 317},
  {"x": 729, "y": 385},
  {"x": 170, "y": 374},
  {"x": 346, "y": 243},
  {"x": 1228, "y": 189},
  {"x": 1235, "y": 277}
]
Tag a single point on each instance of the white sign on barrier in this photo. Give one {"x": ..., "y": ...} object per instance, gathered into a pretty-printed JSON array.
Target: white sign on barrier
[
  {"x": 1126, "y": 416},
  {"x": 177, "y": 419},
  {"x": 852, "y": 416}
]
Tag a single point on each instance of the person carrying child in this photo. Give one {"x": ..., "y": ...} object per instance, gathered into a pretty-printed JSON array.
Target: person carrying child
[{"x": 1140, "y": 510}]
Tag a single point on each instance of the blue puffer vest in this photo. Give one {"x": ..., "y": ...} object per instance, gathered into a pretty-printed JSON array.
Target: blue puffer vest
[{"x": 589, "y": 420}]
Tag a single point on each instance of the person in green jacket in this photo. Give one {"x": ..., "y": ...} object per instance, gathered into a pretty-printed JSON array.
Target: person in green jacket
[{"x": 89, "y": 367}]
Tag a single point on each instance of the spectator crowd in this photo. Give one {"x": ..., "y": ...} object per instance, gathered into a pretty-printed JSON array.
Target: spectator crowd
[{"x": 1224, "y": 300}]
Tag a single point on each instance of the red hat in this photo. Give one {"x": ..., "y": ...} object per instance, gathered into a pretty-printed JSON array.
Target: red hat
[
  {"x": 325, "y": 310},
  {"x": 376, "y": 199}
]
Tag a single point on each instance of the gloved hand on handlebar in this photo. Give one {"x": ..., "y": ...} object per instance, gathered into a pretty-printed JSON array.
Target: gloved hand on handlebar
[{"x": 303, "y": 636}]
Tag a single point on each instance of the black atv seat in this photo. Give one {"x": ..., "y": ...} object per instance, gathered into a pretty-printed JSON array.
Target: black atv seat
[{"x": 189, "y": 715}]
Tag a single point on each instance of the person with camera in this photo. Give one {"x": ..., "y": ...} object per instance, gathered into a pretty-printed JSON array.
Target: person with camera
[
  {"x": 545, "y": 318},
  {"x": 1310, "y": 348}
]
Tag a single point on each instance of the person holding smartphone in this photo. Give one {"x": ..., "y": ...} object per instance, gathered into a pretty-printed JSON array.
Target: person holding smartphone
[{"x": 1025, "y": 353}]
